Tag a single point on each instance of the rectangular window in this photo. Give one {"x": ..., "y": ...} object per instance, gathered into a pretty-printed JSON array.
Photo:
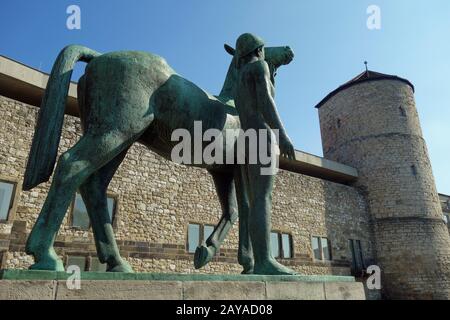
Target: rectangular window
[
  {"x": 286, "y": 245},
  {"x": 281, "y": 245},
  {"x": 193, "y": 237},
  {"x": 321, "y": 248},
  {"x": 198, "y": 234},
  {"x": 326, "y": 251},
  {"x": 357, "y": 256},
  {"x": 275, "y": 244},
  {"x": 80, "y": 218},
  {"x": 207, "y": 231},
  {"x": 6, "y": 199},
  {"x": 97, "y": 266},
  {"x": 316, "y": 248},
  {"x": 76, "y": 261}
]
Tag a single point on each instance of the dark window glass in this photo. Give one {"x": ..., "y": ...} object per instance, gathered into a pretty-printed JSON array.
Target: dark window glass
[
  {"x": 316, "y": 248},
  {"x": 6, "y": 199},
  {"x": 357, "y": 256},
  {"x": 193, "y": 237},
  {"x": 97, "y": 266},
  {"x": 76, "y": 261},
  {"x": 286, "y": 244},
  {"x": 274, "y": 244},
  {"x": 360, "y": 254},
  {"x": 351, "y": 245}
]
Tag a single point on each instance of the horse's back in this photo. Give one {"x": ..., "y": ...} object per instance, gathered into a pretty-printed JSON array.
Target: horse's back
[
  {"x": 118, "y": 87},
  {"x": 133, "y": 69}
]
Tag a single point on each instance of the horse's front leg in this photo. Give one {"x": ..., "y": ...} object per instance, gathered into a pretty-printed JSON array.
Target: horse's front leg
[{"x": 227, "y": 197}]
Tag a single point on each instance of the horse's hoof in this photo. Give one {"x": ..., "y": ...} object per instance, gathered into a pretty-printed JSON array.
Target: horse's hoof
[
  {"x": 202, "y": 256},
  {"x": 49, "y": 264},
  {"x": 122, "y": 266}
]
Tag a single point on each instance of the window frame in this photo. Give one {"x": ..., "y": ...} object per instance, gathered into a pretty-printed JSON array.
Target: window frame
[
  {"x": 322, "y": 256},
  {"x": 17, "y": 185},
  {"x": 280, "y": 234},
  {"x": 114, "y": 215}
]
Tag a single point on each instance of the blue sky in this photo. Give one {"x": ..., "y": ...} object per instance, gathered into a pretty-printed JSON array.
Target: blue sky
[{"x": 330, "y": 39}]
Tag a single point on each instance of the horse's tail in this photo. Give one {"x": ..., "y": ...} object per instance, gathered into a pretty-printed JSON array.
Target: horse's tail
[{"x": 47, "y": 135}]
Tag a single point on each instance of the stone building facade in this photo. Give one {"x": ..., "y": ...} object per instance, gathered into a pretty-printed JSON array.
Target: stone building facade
[{"x": 340, "y": 216}]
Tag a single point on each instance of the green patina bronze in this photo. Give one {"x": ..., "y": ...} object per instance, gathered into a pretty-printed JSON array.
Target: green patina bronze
[
  {"x": 130, "y": 96},
  {"x": 55, "y": 275}
]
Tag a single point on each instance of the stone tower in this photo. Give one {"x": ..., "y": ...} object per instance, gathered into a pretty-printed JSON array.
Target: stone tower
[{"x": 371, "y": 123}]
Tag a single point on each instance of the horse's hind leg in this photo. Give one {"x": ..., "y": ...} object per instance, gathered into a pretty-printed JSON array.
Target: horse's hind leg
[
  {"x": 90, "y": 153},
  {"x": 227, "y": 196},
  {"x": 93, "y": 191}
]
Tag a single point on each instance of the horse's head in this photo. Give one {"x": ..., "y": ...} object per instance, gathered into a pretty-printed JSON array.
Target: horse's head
[{"x": 274, "y": 56}]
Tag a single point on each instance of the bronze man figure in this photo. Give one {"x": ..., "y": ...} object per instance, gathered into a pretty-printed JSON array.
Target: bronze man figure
[{"x": 257, "y": 110}]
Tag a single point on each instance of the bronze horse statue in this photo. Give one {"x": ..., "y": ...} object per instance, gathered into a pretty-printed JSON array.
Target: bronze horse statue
[{"x": 126, "y": 97}]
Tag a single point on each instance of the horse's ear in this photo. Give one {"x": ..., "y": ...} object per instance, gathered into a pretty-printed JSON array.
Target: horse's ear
[{"x": 229, "y": 49}]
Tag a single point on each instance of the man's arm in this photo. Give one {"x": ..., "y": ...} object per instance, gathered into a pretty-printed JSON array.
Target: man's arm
[{"x": 266, "y": 105}]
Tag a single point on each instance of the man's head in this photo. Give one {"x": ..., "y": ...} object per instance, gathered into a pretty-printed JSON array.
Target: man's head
[{"x": 247, "y": 44}]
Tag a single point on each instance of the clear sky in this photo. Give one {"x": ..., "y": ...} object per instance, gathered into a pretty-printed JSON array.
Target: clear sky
[{"x": 330, "y": 38}]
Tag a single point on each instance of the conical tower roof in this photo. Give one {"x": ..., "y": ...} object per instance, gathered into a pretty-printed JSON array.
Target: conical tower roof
[{"x": 365, "y": 76}]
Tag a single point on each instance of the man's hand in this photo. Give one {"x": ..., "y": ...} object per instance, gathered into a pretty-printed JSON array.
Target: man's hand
[{"x": 286, "y": 147}]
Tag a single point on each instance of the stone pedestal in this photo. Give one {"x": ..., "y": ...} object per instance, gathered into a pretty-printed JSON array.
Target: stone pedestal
[{"x": 47, "y": 285}]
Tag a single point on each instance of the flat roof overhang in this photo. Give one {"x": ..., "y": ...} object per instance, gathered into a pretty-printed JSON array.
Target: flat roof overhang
[{"x": 26, "y": 84}]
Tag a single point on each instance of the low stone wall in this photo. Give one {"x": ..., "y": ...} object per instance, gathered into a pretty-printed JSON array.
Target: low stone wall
[{"x": 176, "y": 290}]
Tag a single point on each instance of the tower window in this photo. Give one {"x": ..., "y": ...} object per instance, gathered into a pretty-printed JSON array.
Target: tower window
[
  {"x": 414, "y": 170},
  {"x": 321, "y": 248},
  {"x": 402, "y": 111}
]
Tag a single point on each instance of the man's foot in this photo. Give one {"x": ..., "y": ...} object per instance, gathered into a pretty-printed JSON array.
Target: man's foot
[
  {"x": 119, "y": 265},
  {"x": 203, "y": 255},
  {"x": 248, "y": 269},
  {"x": 49, "y": 261},
  {"x": 272, "y": 267}
]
